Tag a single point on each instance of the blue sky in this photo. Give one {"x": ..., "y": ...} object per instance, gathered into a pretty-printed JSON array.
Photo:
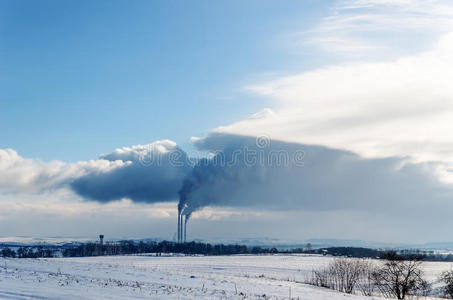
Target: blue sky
[{"x": 116, "y": 73}]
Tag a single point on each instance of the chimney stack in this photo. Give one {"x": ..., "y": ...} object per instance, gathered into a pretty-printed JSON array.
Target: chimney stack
[
  {"x": 179, "y": 225},
  {"x": 185, "y": 229},
  {"x": 181, "y": 239}
]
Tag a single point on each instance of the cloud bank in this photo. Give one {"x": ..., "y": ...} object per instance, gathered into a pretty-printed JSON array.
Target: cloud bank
[
  {"x": 243, "y": 172},
  {"x": 244, "y": 176}
]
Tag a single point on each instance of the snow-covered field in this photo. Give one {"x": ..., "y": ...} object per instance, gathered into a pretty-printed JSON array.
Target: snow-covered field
[{"x": 150, "y": 277}]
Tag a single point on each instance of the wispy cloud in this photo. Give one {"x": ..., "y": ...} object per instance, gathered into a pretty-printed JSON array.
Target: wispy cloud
[{"x": 364, "y": 29}]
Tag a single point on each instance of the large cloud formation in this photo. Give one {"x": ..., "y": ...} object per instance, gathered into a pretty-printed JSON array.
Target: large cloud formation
[
  {"x": 246, "y": 173},
  {"x": 243, "y": 172},
  {"x": 276, "y": 175}
]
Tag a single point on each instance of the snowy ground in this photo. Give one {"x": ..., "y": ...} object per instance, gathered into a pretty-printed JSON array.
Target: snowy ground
[{"x": 149, "y": 277}]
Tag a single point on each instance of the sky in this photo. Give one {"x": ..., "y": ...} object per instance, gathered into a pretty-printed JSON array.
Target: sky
[
  {"x": 356, "y": 95},
  {"x": 115, "y": 73}
]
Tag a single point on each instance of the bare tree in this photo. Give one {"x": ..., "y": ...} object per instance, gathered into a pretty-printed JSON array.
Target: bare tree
[
  {"x": 344, "y": 275},
  {"x": 447, "y": 278},
  {"x": 319, "y": 278},
  {"x": 366, "y": 283},
  {"x": 400, "y": 276}
]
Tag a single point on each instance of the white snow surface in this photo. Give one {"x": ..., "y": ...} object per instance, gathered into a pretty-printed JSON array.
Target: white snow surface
[{"x": 173, "y": 277}]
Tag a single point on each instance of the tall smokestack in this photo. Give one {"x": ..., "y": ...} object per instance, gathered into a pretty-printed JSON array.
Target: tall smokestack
[
  {"x": 182, "y": 228},
  {"x": 181, "y": 216},
  {"x": 179, "y": 225},
  {"x": 185, "y": 228}
]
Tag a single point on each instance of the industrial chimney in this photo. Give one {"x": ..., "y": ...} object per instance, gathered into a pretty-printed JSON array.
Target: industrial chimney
[
  {"x": 182, "y": 221},
  {"x": 185, "y": 228},
  {"x": 179, "y": 225},
  {"x": 181, "y": 229}
]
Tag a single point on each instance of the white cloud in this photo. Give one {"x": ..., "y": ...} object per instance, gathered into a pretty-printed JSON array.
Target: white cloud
[
  {"x": 25, "y": 175},
  {"x": 402, "y": 107},
  {"x": 140, "y": 152}
]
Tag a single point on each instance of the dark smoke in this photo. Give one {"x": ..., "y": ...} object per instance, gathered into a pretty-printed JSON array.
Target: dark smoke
[{"x": 329, "y": 179}]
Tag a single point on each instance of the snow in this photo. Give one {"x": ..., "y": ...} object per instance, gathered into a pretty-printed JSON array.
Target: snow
[{"x": 174, "y": 277}]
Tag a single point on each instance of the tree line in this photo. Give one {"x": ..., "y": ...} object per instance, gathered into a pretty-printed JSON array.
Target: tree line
[
  {"x": 28, "y": 252},
  {"x": 127, "y": 247},
  {"x": 191, "y": 248}
]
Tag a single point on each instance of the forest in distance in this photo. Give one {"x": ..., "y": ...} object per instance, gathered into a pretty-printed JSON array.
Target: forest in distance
[{"x": 130, "y": 247}]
